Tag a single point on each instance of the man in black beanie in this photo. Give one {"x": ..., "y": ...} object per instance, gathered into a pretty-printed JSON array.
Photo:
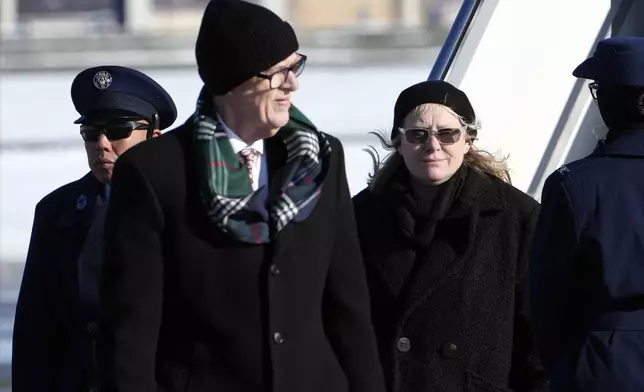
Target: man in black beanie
[{"x": 231, "y": 256}]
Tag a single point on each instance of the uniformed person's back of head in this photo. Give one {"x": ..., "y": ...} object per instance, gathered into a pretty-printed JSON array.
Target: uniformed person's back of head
[{"x": 617, "y": 69}]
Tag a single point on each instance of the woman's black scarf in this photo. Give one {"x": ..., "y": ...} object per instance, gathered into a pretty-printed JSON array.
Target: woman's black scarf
[
  {"x": 411, "y": 224},
  {"x": 413, "y": 231}
]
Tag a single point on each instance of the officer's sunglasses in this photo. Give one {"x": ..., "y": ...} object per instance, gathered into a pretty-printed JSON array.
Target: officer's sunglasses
[
  {"x": 113, "y": 130},
  {"x": 419, "y": 135},
  {"x": 277, "y": 79},
  {"x": 593, "y": 87}
]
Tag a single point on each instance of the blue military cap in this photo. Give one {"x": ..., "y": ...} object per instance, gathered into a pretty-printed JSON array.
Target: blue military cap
[
  {"x": 617, "y": 61},
  {"x": 122, "y": 89}
]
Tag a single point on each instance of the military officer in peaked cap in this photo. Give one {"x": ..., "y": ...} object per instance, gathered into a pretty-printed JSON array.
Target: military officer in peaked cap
[
  {"x": 55, "y": 324},
  {"x": 587, "y": 286}
]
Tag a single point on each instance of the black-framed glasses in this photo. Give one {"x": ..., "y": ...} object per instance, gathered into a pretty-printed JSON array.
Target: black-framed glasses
[
  {"x": 277, "y": 79},
  {"x": 417, "y": 135},
  {"x": 113, "y": 130},
  {"x": 593, "y": 89}
]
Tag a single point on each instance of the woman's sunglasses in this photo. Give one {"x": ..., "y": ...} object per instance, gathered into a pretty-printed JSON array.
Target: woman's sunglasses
[
  {"x": 422, "y": 135},
  {"x": 113, "y": 130}
]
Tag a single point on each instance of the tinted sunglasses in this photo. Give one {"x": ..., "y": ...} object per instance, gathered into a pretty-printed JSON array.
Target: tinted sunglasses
[
  {"x": 422, "y": 135},
  {"x": 113, "y": 130}
]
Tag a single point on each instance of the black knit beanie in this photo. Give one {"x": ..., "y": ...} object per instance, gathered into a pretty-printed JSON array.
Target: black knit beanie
[
  {"x": 431, "y": 91},
  {"x": 237, "y": 40}
]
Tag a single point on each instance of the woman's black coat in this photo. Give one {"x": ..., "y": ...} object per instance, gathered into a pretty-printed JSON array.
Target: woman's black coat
[{"x": 458, "y": 322}]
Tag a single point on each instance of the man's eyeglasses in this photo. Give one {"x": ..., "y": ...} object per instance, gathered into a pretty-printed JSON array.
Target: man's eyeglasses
[
  {"x": 422, "y": 135},
  {"x": 113, "y": 130},
  {"x": 593, "y": 89},
  {"x": 277, "y": 79}
]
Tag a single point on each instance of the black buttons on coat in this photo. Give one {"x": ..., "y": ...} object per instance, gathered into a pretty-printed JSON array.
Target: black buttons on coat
[
  {"x": 92, "y": 328},
  {"x": 403, "y": 344},
  {"x": 449, "y": 350},
  {"x": 278, "y": 338}
]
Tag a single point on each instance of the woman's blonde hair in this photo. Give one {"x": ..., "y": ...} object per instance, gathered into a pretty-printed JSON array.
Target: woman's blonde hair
[{"x": 479, "y": 160}]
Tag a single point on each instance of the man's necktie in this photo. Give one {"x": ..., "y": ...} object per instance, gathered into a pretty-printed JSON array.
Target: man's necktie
[{"x": 249, "y": 157}]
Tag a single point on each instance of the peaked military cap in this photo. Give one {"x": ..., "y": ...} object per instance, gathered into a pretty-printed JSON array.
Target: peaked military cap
[
  {"x": 617, "y": 61},
  {"x": 122, "y": 89}
]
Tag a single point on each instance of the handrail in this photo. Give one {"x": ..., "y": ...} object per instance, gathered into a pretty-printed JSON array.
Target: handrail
[{"x": 454, "y": 39}]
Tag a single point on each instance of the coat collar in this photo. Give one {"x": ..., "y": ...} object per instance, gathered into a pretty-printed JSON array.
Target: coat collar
[
  {"x": 479, "y": 192},
  {"x": 479, "y": 195},
  {"x": 478, "y": 189},
  {"x": 622, "y": 143}
]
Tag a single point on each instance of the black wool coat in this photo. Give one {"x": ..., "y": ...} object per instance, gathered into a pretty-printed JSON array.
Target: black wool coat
[
  {"x": 187, "y": 308},
  {"x": 458, "y": 322}
]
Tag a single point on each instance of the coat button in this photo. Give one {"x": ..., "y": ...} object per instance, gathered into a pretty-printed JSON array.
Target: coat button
[
  {"x": 278, "y": 338},
  {"x": 275, "y": 270},
  {"x": 449, "y": 350},
  {"x": 403, "y": 345},
  {"x": 91, "y": 328}
]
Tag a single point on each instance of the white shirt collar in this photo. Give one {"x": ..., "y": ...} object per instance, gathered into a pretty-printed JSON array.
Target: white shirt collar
[{"x": 237, "y": 143}]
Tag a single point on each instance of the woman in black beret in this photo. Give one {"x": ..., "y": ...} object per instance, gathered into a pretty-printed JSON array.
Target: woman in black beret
[{"x": 445, "y": 239}]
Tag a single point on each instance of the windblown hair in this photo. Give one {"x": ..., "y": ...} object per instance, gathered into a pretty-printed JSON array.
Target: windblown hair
[{"x": 479, "y": 160}]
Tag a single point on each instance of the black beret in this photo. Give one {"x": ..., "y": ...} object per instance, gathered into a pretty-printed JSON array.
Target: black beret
[{"x": 431, "y": 91}]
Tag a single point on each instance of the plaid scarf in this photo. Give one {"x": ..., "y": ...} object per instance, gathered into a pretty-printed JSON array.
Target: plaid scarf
[{"x": 257, "y": 216}]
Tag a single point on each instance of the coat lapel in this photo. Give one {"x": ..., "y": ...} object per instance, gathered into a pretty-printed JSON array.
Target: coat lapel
[
  {"x": 90, "y": 261},
  {"x": 379, "y": 238},
  {"x": 276, "y": 159},
  {"x": 78, "y": 209},
  {"x": 451, "y": 247},
  {"x": 454, "y": 241}
]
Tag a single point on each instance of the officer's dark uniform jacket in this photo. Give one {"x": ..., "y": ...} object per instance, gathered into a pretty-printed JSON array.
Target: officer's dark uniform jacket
[
  {"x": 54, "y": 331},
  {"x": 55, "y": 326},
  {"x": 587, "y": 278}
]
